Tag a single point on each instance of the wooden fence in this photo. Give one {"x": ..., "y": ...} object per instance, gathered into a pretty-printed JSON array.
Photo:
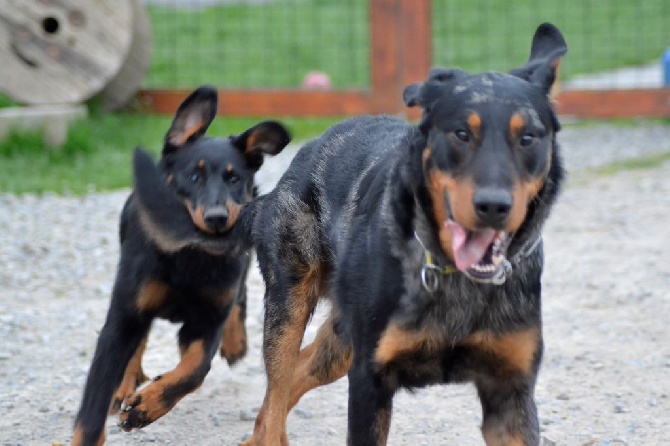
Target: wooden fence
[{"x": 400, "y": 53}]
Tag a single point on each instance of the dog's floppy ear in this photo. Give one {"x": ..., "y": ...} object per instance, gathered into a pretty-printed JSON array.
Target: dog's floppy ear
[
  {"x": 423, "y": 94},
  {"x": 192, "y": 119},
  {"x": 265, "y": 138},
  {"x": 545, "y": 55}
]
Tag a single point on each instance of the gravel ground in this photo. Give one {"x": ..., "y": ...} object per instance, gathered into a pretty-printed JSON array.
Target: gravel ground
[{"x": 604, "y": 379}]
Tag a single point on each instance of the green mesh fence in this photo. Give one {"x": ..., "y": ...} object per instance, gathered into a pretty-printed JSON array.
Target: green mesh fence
[
  {"x": 613, "y": 43},
  {"x": 258, "y": 43},
  {"x": 275, "y": 43}
]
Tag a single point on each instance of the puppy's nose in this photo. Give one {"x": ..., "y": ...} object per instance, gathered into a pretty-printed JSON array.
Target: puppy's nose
[
  {"x": 492, "y": 206},
  {"x": 216, "y": 218}
]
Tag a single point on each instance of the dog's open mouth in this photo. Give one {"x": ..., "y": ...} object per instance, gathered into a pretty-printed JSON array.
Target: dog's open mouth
[{"x": 479, "y": 254}]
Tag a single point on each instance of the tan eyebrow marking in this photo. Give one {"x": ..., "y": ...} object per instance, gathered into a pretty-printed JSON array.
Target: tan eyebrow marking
[
  {"x": 516, "y": 123},
  {"x": 475, "y": 124}
]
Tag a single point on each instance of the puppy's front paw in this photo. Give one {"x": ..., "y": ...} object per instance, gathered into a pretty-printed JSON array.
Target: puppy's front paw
[{"x": 142, "y": 408}]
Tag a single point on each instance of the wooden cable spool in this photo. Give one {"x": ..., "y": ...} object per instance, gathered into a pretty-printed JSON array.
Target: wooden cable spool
[
  {"x": 62, "y": 51},
  {"x": 120, "y": 90}
]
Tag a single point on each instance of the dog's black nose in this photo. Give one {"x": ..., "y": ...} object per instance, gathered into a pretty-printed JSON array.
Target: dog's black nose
[
  {"x": 492, "y": 206},
  {"x": 216, "y": 218}
]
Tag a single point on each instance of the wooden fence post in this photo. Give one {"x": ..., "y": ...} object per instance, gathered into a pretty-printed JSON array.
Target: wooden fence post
[{"x": 400, "y": 50}]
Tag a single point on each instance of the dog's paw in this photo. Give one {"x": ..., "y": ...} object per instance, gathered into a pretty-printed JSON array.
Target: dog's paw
[
  {"x": 234, "y": 349},
  {"x": 141, "y": 409},
  {"x": 234, "y": 338},
  {"x": 127, "y": 387}
]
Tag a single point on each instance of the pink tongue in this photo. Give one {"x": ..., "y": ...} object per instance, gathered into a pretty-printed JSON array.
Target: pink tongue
[{"x": 468, "y": 250}]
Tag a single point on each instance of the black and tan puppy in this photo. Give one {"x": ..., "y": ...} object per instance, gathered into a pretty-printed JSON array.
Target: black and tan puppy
[
  {"x": 427, "y": 241},
  {"x": 184, "y": 262}
]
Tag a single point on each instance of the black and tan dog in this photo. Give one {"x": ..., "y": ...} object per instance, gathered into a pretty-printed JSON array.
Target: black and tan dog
[
  {"x": 184, "y": 262},
  {"x": 427, "y": 241}
]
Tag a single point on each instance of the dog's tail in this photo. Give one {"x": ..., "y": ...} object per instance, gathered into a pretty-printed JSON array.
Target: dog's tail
[{"x": 166, "y": 220}]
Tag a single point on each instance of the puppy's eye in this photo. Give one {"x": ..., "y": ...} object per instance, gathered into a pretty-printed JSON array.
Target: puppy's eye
[
  {"x": 526, "y": 140},
  {"x": 462, "y": 135},
  {"x": 234, "y": 179},
  {"x": 194, "y": 178}
]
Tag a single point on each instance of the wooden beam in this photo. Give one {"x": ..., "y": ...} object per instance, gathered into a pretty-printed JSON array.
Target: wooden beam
[
  {"x": 385, "y": 51},
  {"x": 614, "y": 103},
  {"x": 416, "y": 51},
  {"x": 264, "y": 103}
]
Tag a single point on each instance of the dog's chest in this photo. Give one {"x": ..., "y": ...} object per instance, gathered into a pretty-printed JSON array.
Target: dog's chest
[
  {"x": 459, "y": 306},
  {"x": 200, "y": 283}
]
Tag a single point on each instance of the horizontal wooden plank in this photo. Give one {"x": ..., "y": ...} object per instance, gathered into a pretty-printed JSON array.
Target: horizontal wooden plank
[
  {"x": 614, "y": 103},
  {"x": 301, "y": 103},
  {"x": 266, "y": 103}
]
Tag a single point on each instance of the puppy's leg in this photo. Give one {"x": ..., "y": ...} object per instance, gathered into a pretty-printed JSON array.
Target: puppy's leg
[
  {"x": 286, "y": 317},
  {"x": 198, "y": 344},
  {"x": 324, "y": 361},
  {"x": 132, "y": 378},
  {"x": 370, "y": 405},
  {"x": 121, "y": 335},
  {"x": 234, "y": 337}
]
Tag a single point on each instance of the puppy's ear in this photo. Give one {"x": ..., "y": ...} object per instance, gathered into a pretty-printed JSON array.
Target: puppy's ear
[
  {"x": 192, "y": 119},
  {"x": 266, "y": 138},
  {"x": 546, "y": 51}
]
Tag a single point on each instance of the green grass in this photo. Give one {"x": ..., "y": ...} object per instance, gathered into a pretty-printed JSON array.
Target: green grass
[
  {"x": 97, "y": 155},
  {"x": 641, "y": 163}
]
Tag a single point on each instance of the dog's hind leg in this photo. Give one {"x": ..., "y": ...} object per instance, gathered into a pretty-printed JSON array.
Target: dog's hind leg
[
  {"x": 322, "y": 362},
  {"x": 119, "y": 339},
  {"x": 234, "y": 337},
  {"x": 285, "y": 321},
  {"x": 132, "y": 378}
]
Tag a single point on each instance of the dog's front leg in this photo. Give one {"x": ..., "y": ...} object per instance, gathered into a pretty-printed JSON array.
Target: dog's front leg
[
  {"x": 510, "y": 415},
  {"x": 119, "y": 339},
  {"x": 198, "y": 345},
  {"x": 370, "y": 405},
  {"x": 506, "y": 387},
  {"x": 132, "y": 378}
]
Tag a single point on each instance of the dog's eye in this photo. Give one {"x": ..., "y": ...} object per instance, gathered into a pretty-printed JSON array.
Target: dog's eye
[
  {"x": 194, "y": 178},
  {"x": 462, "y": 135},
  {"x": 234, "y": 179},
  {"x": 526, "y": 140}
]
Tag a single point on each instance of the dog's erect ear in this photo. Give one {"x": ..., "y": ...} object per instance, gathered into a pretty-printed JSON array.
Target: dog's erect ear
[
  {"x": 545, "y": 55},
  {"x": 423, "y": 94},
  {"x": 193, "y": 117},
  {"x": 266, "y": 138}
]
